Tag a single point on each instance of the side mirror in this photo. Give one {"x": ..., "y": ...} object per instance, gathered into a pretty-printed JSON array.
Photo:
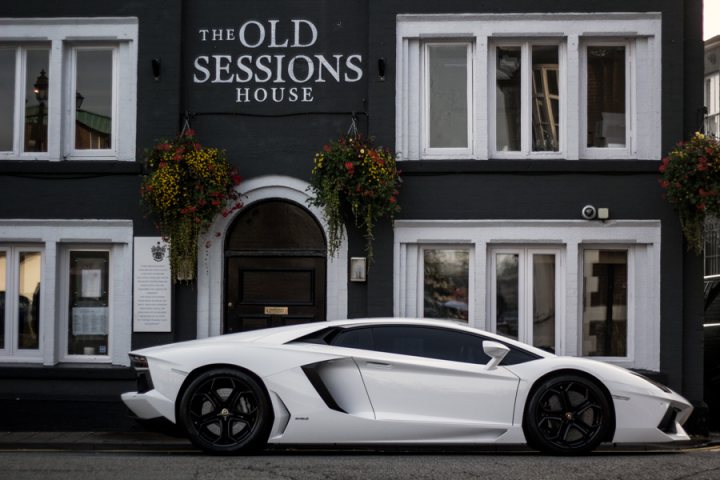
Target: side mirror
[{"x": 496, "y": 351}]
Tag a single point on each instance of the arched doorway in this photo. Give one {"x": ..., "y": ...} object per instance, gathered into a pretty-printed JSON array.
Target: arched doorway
[{"x": 275, "y": 267}]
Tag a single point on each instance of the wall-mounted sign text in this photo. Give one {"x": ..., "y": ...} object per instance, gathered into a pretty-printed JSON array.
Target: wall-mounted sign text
[{"x": 277, "y": 63}]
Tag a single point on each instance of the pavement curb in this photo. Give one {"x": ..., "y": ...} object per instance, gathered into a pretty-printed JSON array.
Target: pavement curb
[{"x": 159, "y": 442}]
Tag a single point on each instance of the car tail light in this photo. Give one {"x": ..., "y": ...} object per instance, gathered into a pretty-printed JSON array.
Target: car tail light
[{"x": 144, "y": 380}]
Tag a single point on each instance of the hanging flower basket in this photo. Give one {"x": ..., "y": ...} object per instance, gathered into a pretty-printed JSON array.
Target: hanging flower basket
[
  {"x": 353, "y": 175},
  {"x": 690, "y": 175},
  {"x": 186, "y": 187}
]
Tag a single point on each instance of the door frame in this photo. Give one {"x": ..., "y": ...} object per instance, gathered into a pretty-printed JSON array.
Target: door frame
[{"x": 211, "y": 254}]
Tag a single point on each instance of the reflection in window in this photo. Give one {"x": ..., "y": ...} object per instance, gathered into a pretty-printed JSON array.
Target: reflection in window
[
  {"x": 447, "y": 95},
  {"x": 93, "y": 99},
  {"x": 546, "y": 99},
  {"x": 544, "y": 301},
  {"x": 507, "y": 307},
  {"x": 89, "y": 311},
  {"x": 605, "y": 313},
  {"x": 29, "y": 300},
  {"x": 7, "y": 98},
  {"x": 446, "y": 277},
  {"x": 3, "y": 296},
  {"x": 36, "y": 100},
  {"x": 508, "y": 99},
  {"x": 606, "y": 96}
]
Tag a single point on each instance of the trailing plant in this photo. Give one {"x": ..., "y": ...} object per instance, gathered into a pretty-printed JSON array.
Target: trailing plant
[
  {"x": 186, "y": 187},
  {"x": 690, "y": 175},
  {"x": 352, "y": 175}
]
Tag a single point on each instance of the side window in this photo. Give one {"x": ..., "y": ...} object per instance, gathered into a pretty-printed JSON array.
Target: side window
[
  {"x": 353, "y": 338},
  {"x": 430, "y": 342},
  {"x": 417, "y": 341}
]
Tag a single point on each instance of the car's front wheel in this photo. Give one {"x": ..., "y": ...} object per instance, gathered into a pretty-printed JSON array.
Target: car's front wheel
[
  {"x": 567, "y": 415},
  {"x": 225, "y": 412}
]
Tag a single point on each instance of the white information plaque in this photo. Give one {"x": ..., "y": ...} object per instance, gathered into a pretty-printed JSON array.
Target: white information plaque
[{"x": 151, "y": 285}]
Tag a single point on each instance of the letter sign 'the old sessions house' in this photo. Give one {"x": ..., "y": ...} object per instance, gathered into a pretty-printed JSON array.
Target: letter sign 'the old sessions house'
[{"x": 261, "y": 61}]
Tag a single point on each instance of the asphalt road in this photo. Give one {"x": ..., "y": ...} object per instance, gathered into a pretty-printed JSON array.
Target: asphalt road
[{"x": 695, "y": 464}]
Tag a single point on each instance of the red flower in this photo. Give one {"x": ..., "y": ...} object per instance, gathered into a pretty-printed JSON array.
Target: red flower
[
  {"x": 189, "y": 132},
  {"x": 349, "y": 167},
  {"x": 664, "y": 183},
  {"x": 237, "y": 179},
  {"x": 393, "y": 200},
  {"x": 327, "y": 148}
]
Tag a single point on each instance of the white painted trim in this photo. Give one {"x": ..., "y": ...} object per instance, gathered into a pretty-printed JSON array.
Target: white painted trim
[
  {"x": 642, "y": 31},
  {"x": 62, "y": 35},
  {"x": 211, "y": 263},
  {"x": 567, "y": 237},
  {"x": 51, "y": 235}
]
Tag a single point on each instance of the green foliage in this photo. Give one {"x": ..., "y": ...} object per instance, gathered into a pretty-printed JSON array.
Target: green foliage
[
  {"x": 690, "y": 175},
  {"x": 187, "y": 186},
  {"x": 352, "y": 174}
]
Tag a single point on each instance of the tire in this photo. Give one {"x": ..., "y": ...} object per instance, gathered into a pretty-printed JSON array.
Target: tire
[
  {"x": 226, "y": 412},
  {"x": 567, "y": 415}
]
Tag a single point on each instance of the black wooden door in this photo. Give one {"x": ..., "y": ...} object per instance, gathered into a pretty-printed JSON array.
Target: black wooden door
[
  {"x": 275, "y": 268},
  {"x": 269, "y": 291}
]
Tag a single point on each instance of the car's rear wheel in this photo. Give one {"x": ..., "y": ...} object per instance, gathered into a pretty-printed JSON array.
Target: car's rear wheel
[
  {"x": 226, "y": 412},
  {"x": 567, "y": 415}
]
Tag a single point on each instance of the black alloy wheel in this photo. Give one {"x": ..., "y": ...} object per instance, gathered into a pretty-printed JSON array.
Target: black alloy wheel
[
  {"x": 226, "y": 412},
  {"x": 567, "y": 415}
]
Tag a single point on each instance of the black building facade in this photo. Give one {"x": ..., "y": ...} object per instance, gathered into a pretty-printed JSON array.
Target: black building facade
[{"x": 508, "y": 120}]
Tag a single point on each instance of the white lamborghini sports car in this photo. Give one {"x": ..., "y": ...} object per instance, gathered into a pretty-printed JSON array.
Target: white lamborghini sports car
[{"x": 395, "y": 381}]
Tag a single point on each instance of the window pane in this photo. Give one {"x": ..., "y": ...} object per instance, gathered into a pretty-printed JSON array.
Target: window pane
[
  {"x": 544, "y": 301},
  {"x": 430, "y": 342},
  {"x": 448, "y": 100},
  {"x": 93, "y": 99},
  {"x": 605, "y": 303},
  {"x": 446, "y": 283},
  {"x": 29, "y": 300},
  {"x": 3, "y": 289},
  {"x": 606, "y": 97},
  {"x": 507, "y": 306},
  {"x": 88, "y": 313},
  {"x": 36, "y": 100},
  {"x": 7, "y": 98},
  {"x": 546, "y": 98},
  {"x": 508, "y": 99}
]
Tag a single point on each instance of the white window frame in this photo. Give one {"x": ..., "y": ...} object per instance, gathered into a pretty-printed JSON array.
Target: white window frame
[
  {"x": 53, "y": 238},
  {"x": 70, "y": 98},
  {"x": 419, "y": 250},
  {"x": 525, "y": 289},
  {"x": 64, "y": 312},
  {"x": 642, "y": 31},
  {"x": 63, "y": 35},
  {"x": 12, "y": 259},
  {"x": 630, "y": 148},
  {"x": 526, "y": 119},
  {"x": 632, "y": 301},
  {"x": 569, "y": 236},
  {"x": 446, "y": 153}
]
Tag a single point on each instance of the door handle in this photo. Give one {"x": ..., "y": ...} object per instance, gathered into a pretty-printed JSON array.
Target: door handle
[{"x": 370, "y": 363}]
